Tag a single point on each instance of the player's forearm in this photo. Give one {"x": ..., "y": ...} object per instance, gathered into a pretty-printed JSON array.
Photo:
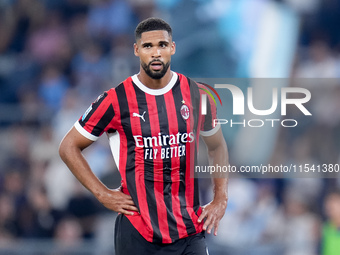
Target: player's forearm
[
  {"x": 75, "y": 161},
  {"x": 219, "y": 157},
  {"x": 214, "y": 211},
  {"x": 221, "y": 189},
  {"x": 114, "y": 200}
]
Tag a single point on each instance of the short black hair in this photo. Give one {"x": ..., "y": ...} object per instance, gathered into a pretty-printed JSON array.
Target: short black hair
[{"x": 151, "y": 24}]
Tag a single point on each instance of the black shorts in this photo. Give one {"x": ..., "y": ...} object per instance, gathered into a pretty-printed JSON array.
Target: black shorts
[{"x": 128, "y": 241}]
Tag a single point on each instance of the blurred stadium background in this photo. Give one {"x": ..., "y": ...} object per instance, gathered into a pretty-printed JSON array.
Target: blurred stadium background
[{"x": 57, "y": 56}]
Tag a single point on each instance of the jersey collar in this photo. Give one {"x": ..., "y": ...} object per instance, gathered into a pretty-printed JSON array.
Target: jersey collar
[{"x": 156, "y": 92}]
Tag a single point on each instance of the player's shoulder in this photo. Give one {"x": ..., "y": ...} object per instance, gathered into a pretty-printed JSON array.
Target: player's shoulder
[
  {"x": 191, "y": 81},
  {"x": 201, "y": 86},
  {"x": 120, "y": 86}
]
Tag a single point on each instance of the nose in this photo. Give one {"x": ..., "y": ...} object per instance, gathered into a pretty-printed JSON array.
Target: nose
[{"x": 156, "y": 53}]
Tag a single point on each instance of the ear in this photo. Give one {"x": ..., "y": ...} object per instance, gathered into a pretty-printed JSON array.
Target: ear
[
  {"x": 136, "y": 49},
  {"x": 173, "y": 48}
]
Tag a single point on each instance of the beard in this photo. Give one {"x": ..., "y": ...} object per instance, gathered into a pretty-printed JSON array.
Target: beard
[{"x": 155, "y": 74}]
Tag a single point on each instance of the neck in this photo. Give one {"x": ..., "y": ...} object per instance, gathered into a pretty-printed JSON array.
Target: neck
[{"x": 154, "y": 83}]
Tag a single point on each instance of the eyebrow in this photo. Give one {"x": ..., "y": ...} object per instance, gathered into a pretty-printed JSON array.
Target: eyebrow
[
  {"x": 146, "y": 44},
  {"x": 164, "y": 42},
  {"x": 150, "y": 44}
]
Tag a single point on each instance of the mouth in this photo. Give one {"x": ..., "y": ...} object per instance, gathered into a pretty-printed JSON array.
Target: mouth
[{"x": 156, "y": 65}]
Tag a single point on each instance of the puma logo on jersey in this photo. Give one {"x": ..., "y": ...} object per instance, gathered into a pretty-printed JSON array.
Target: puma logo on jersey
[{"x": 138, "y": 115}]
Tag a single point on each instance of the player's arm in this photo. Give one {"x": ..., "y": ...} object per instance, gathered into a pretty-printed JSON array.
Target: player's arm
[
  {"x": 218, "y": 155},
  {"x": 70, "y": 151}
]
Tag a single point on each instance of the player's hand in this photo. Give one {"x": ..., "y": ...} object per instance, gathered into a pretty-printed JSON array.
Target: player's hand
[
  {"x": 116, "y": 200},
  {"x": 213, "y": 213}
]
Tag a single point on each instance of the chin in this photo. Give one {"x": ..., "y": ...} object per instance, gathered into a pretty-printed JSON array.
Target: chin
[{"x": 156, "y": 75}]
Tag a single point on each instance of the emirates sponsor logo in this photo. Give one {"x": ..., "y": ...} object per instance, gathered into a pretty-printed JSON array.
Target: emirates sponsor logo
[
  {"x": 163, "y": 140},
  {"x": 171, "y": 145}
]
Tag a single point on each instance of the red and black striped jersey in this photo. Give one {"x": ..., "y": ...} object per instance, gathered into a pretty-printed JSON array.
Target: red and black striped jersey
[{"x": 154, "y": 137}]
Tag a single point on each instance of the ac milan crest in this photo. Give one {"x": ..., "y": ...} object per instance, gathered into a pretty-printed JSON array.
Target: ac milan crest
[{"x": 185, "y": 112}]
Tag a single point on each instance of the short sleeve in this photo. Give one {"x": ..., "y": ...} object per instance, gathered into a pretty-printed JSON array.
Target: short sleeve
[
  {"x": 208, "y": 126},
  {"x": 97, "y": 119}
]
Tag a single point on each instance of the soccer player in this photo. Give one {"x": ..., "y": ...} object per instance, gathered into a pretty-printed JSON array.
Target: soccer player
[{"x": 153, "y": 123}]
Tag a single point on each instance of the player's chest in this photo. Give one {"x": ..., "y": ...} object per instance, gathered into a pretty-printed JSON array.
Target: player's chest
[{"x": 159, "y": 114}]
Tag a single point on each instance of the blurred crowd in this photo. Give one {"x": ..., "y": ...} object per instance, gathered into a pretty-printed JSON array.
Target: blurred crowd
[{"x": 57, "y": 56}]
